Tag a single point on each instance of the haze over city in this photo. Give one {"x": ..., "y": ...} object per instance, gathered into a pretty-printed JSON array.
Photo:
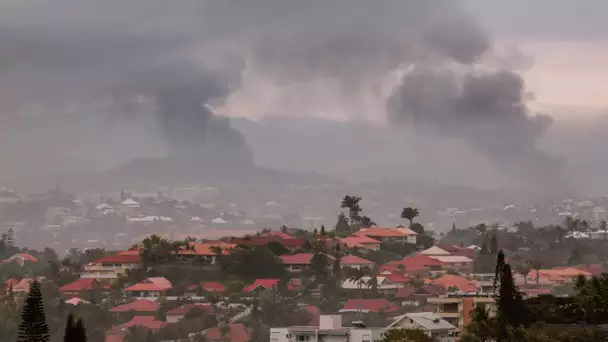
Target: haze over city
[{"x": 303, "y": 170}]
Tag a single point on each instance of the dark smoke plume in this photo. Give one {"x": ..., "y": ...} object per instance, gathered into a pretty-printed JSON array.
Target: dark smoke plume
[{"x": 181, "y": 58}]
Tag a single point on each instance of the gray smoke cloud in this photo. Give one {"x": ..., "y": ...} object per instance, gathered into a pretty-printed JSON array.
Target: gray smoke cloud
[{"x": 184, "y": 59}]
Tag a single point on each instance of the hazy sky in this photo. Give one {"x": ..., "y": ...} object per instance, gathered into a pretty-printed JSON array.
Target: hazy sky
[{"x": 105, "y": 67}]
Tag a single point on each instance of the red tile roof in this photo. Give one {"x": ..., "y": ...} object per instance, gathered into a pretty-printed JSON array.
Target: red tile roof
[
  {"x": 140, "y": 305},
  {"x": 356, "y": 241},
  {"x": 236, "y": 333},
  {"x": 315, "y": 314},
  {"x": 278, "y": 234},
  {"x": 11, "y": 282},
  {"x": 265, "y": 283},
  {"x": 208, "y": 249},
  {"x": 371, "y": 305},
  {"x": 24, "y": 256},
  {"x": 151, "y": 284},
  {"x": 120, "y": 259},
  {"x": 209, "y": 286},
  {"x": 355, "y": 260},
  {"x": 184, "y": 309},
  {"x": 417, "y": 262},
  {"x": 296, "y": 259},
  {"x": 397, "y": 278},
  {"x": 82, "y": 284},
  {"x": 149, "y": 322},
  {"x": 461, "y": 283}
]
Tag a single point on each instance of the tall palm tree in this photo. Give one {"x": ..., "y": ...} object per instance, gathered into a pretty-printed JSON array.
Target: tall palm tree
[
  {"x": 357, "y": 275},
  {"x": 409, "y": 214},
  {"x": 352, "y": 204}
]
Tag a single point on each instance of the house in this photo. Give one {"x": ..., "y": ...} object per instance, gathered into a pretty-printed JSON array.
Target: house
[
  {"x": 76, "y": 301},
  {"x": 117, "y": 333},
  {"x": 456, "y": 263},
  {"x": 208, "y": 286},
  {"x": 205, "y": 252},
  {"x": 130, "y": 203},
  {"x": 150, "y": 288},
  {"x": 457, "y": 309},
  {"x": 262, "y": 284},
  {"x": 140, "y": 306},
  {"x": 403, "y": 235},
  {"x": 353, "y": 261},
  {"x": 177, "y": 314},
  {"x": 330, "y": 328},
  {"x": 113, "y": 266},
  {"x": 21, "y": 258},
  {"x": 435, "y": 251},
  {"x": 456, "y": 283},
  {"x": 433, "y": 325},
  {"x": 369, "y": 305},
  {"x": 296, "y": 262},
  {"x": 83, "y": 285},
  {"x": 418, "y": 262},
  {"x": 362, "y": 241},
  {"x": 23, "y": 286},
  {"x": 383, "y": 284},
  {"x": 237, "y": 332}
]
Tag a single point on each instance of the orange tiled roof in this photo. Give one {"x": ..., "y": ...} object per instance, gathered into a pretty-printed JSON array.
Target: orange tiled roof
[
  {"x": 461, "y": 283},
  {"x": 151, "y": 284},
  {"x": 202, "y": 248},
  {"x": 140, "y": 305}
]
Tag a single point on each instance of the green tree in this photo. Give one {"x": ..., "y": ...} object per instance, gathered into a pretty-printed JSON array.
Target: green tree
[
  {"x": 352, "y": 204},
  {"x": 342, "y": 226},
  {"x": 406, "y": 335},
  {"x": 357, "y": 276},
  {"x": 33, "y": 327},
  {"x": 511, "y": 311},
  {"x": 68, "y": 335},
  {"x": 500, "y": 263},
  {"x": 409, "y": 214},
  {"x": 537, "y": 265},
  {"x": 523, "y": 269},
  {"x": 80, "y": 332},
  {"x": 493, "y": 244}
]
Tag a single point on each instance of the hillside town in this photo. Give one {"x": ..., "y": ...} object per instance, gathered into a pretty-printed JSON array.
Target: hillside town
[{"x": 167, "y": 270}]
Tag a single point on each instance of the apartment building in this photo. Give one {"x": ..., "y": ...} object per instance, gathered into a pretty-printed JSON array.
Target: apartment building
[
  {"x": 330, "y": 329},
  {"x": 111, "y": 267},
  {"x": 457, "y": 308}
]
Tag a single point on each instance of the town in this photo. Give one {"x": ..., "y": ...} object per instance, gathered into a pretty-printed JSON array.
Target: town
[{"x": 175, "y": 270}]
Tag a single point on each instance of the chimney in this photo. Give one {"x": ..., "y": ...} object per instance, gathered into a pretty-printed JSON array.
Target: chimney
[{"x": 330, "y": 322}]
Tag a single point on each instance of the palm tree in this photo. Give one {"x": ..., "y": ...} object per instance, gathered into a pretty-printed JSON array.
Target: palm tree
[
  {"x": 409, "y": 214},
  {"x": 537, "y": 265},
  {"x": 352, "y": 204},
  {"x": 524, "y": 270},
  {"x": 357, "y": 275}
]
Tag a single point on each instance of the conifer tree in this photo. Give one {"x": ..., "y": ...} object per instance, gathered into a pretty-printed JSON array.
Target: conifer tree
[
  {"x": 511, "y": 311},
  {"x": 33, "y": 327},
  {"x": 80, "y": 332},
  {"x": 68, "y": 335},
  {"x": 500, "y": 263}
]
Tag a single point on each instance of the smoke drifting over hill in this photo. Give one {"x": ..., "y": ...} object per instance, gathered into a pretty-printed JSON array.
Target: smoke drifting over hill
[{"x": 175, "y": 64}]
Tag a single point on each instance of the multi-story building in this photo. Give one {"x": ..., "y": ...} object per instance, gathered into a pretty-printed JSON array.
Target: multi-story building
[
  {"x": 330, "y": 329},
  {"x": 111, "y": 267},
  {"x": 457, "y": 309},
  {"x": 434, "y": 326}
]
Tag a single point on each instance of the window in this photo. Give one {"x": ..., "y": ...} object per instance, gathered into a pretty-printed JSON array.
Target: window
[{"x": 303, "y": 338}]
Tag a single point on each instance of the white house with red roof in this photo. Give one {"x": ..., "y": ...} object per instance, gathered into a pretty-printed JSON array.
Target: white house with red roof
[
  {"x": 21, "y": 258},
  {"x": 83, "y": 285},
  {"x": 362, "y": 241},
  {"x": 118, "y": 333},
  {"x": 296, "y": 262},
  {"x": 353, "y": 261},
  {"x": 112, "y": 266},
  {"x": 150, "y": 288},
  {"x": 208, "y": 286},
  {"x": 139, "y": 306}
]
